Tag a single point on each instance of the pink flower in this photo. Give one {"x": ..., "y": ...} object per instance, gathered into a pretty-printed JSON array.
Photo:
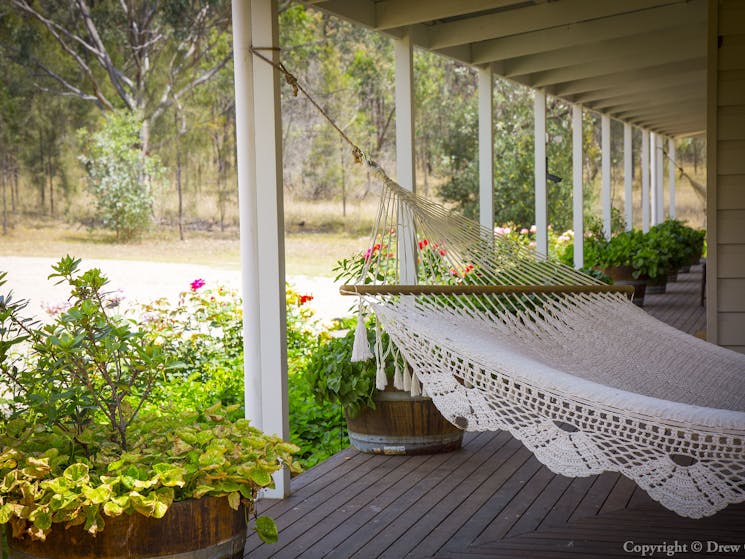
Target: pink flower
[
  {"x": 533, "y": 228},
  {"x": 197, "y": 284},
  {"x": 524, "y": 231}
]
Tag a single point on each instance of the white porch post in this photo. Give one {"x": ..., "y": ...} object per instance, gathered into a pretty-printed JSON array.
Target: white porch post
[
  {"x": 262, "y": 237},
  {"x": 645, "y": 180},
  {"x": 486, "y": 148},
  {"x": 404, "y": 78},
  {"x": 404, "y": 69},
  {"x": 246, "y": 164},
  {"x": 671, "y": 176},
  {"x": 605, "y": 202},
  {"x": 578, "y": 217},
  {"x": 653, "y": 178},
  {"x": 628, "y": 163},
  {"x": 660, "y": 158},
  {"x": 541, "y": 204}
]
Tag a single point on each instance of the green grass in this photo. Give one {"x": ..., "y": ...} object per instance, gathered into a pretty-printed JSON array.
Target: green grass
[{"x": 307, "y": 253}]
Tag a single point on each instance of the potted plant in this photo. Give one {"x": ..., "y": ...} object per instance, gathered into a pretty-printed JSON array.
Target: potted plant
[
  {"x": 390, "y": 421},
  {"x": 87, "y": 457},
  {"x": 627, "y": 258},
  {"x": 684, "y": 243}
]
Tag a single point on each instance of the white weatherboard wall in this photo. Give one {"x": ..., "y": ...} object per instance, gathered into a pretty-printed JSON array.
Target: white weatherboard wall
[{"x": 726, "y": 174}]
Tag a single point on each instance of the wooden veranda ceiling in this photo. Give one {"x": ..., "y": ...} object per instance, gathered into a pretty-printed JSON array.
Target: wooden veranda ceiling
[{"x": 638, "y": 61}]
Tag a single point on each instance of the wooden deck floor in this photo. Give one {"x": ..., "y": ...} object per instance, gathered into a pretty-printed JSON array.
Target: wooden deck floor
[{"x": 491, "y": 499}]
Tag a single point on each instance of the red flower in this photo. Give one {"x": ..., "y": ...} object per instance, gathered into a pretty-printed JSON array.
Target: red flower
[
  {"x": 197, "y": 284},
  {"x": 304, "y": 299},
  {"x": 423, "y": 243}
]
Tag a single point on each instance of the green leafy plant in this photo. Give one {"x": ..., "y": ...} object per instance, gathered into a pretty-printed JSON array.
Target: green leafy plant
[
  {"x": 83, "y": 438},
  {"x": 629, "y": 248},
  {"x": 681, "y": 243},
  {"x": 203, "y": 329},
  {"x": 334, "y": 378}
]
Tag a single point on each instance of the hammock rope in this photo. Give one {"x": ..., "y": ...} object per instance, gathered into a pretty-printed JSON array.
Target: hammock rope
[{"x": 504, "y": 338}]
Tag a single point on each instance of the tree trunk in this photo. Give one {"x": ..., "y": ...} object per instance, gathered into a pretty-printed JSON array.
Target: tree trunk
[
  {"x": 343, "y": 179},
  {"x": 50, "y": 178},
  {"x": 179, "y": 189},
  {"x": 41, "y": 178},
  {"x": 4, "y": 185}
]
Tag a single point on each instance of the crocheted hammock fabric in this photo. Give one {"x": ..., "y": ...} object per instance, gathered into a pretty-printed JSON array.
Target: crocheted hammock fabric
[{"x": 586, "y": 380}]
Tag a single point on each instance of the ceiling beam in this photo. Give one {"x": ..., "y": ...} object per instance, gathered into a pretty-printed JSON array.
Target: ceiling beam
[
  {"x": 602, "y": 51},
  {"x": 660, "y": 113},
  {"x": 652, "y": 74},
  {"x": 624, "y": 63},
  {"x": 696, "y": 78},
  {"x": 583, "y": 33},
  {"x": 527, "y": 19},
  {"x": 652, "y": 94},
  {"x": 400, "y": 13},
  {"x": 651, "y": 102},
  {"x": 677, "y": 125}
]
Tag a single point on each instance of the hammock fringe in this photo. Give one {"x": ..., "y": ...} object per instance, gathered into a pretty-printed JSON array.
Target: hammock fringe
[{"x": 361, "y": 348}]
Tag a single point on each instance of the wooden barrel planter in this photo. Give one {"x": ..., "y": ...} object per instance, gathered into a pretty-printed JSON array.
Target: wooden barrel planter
[
  {"x": 402, "y": 424},
  {"x": 204, "y": 528},
  {"x": 623, "y": 275}
]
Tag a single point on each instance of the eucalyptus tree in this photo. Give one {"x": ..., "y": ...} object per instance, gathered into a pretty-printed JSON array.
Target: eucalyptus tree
[{"x": 139, "y": 55}]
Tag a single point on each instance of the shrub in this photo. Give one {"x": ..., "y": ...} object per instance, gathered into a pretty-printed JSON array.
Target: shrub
[
  {"x": 120, "y": 176},
  {"x": 204, "y": 329},
  {"x": 83, "y": 436}
]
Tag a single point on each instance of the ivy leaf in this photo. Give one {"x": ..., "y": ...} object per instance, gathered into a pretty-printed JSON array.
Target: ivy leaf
[
  {"x": 112, "y": 509},
  {"x": 260, "y": 477},
  {"x": 97, "y": 496},
  {"x": 77, "y": 473},
  {"x": 94, "y": 522},
  {"x": 234, "y": 500},
  {"x": 41, "y": 518},
  {"x": 267, "y": 529},
  {"x": 6, "y": 512},
  {"x": 170, "y": 476}
]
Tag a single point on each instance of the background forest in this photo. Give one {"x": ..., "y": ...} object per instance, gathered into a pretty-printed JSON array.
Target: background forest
[{"x": 108, "y": 105}]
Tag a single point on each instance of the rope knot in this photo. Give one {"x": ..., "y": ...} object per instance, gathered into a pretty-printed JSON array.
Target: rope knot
[{"x": 290, "y": 79}]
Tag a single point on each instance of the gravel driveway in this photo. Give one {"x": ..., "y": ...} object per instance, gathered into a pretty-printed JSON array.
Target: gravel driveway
[{"x": 145, "y": 281}]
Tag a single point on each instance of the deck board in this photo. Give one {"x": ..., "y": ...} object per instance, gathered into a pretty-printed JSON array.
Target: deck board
[{"x": 491, "y": 499}]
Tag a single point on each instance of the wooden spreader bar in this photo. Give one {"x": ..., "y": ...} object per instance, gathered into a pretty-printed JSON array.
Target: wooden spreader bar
[{"x": 480, "y": 289}]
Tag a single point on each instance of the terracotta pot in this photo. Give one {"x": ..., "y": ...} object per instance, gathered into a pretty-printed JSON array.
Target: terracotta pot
[
  {"x": 623, "y": 275},
  {"x": 402, "y": 424},
  {"x": 197, "y": 528}
]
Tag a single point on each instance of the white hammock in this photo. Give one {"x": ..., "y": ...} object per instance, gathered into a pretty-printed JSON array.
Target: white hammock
[{"x": 585, "y": 379}]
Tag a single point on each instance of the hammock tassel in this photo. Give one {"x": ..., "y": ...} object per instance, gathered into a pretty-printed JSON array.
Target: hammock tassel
[
  {"x": 407, "y": 380},
  {"x": 361, "y": 348},
  {"x": 398, "y": 379},
  {"x": 416, "y": 387}
]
